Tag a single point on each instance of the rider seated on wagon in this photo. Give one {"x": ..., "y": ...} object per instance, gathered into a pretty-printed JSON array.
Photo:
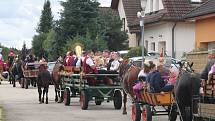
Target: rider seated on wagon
[
  {"x": 210, "y": 75},
  {"x": 141, "y": 82},
  {"x": 30, "y": 61},
  {"x": 69, "y": 59}
]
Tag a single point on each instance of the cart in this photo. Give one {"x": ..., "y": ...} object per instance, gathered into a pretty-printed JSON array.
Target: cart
[
  {"x": 30, "y": 75},
  {"x": 76, "y": 85},
  {"x": 144, "y": 108},
  {"x": 204, "y": 106}
]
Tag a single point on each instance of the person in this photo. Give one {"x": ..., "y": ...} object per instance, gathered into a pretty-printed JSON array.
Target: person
[
  {"x": 210, "y": 75},
  {"x": 99, "y": 60},
  {"x": 30, "y": 61},
  {"x": 156, "y": 82},
  {"x": 89, "y": 67},
  {"x": 106, "y": 57},
  {"x": 110, "y": 61},
  {"x": 114, "y": 65},
  {"x": 68, "y": 60},
  {"x": 141, "y": 82},
  {"x": 207, "y": 69},
  {"x": 1, "y": 66}
]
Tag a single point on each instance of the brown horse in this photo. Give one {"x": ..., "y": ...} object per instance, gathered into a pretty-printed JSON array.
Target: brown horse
[
  {"x": 129, "y": 75},
  {"x": 57, "y": 81},
  {"x": 44, "y": 78}
]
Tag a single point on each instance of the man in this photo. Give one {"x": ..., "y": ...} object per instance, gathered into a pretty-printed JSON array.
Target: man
[
  {"x": 205, "y": 72},
  {"x": 89, "y": 67},
  {"x": 88, "y": 63},
  {"x": 68, "y": 60}
]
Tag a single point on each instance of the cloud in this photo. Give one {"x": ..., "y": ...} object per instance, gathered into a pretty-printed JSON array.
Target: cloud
[{"x": 19, "y": 19}]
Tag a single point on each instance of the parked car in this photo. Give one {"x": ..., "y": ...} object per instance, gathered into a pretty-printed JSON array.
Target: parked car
[{"x": 51, "y": 66}]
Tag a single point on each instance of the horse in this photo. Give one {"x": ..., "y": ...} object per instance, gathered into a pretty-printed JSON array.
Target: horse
[
  {"x": 56, "y": 78},
  {"x": 129, "y": 75},
  {"x": 187, "y": 86},
  {"x": 43, "y": 79}
]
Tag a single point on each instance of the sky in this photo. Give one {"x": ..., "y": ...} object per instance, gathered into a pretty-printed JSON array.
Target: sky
[{"x": 19, "y": 19}]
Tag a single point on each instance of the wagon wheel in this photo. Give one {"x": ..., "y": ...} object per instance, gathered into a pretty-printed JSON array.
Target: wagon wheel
[
  {"x": 84, "y": 100},
  {"x": 136, "y": 112},
  {"x": 146, "y": 113},
  {"x": 25, "y": 83},
  {"x": 98, "y": 101},
  {"x": 117, "y": 99},
  {"x": 66, "y": 96},
  {"x": 173, "y": 113}
]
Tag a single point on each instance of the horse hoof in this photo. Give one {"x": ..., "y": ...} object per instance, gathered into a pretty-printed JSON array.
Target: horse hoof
[
  {"x": 46, "y": 102},
  {"x": 124, "y": 113},
  {"x": 56, "y": 100},
  {"x": 40, "y": 102}
]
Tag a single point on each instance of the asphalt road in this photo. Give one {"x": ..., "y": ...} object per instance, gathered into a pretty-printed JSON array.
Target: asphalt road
[{"x": 22, "y": 105}]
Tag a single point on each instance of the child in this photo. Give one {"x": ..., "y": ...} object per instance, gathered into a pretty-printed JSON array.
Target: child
[{"x": 141, "y": 82}]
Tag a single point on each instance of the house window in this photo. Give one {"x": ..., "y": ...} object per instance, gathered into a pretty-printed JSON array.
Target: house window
[
  {"x": 153, "y": 46},
  {"x": 146, "y": 44}
]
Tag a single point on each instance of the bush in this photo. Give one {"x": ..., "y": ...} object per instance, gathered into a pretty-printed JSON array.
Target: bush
[{"x": 136, "y": 51}]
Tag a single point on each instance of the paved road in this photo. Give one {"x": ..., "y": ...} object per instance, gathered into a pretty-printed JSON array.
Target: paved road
[{"x": 22, "y": 105}]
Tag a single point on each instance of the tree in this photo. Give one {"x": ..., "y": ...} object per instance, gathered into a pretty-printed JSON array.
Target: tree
[
  {"x": 109, "y": 25},
  {"x": 37, "y": 44},
  {"x": 77, "y": 18},
  {"x": 23, "y": 51},
  {"x": 48, "y": 44},
  {"x": 46, "y": 18}
]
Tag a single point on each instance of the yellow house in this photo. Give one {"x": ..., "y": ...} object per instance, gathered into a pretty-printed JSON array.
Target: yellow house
[{"x": 204, "y": 17}]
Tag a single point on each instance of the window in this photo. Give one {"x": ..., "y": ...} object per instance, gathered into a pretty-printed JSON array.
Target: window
[
  {"x": 153, "y": 46},
  {"x": 123, "y": 22},
  {"x": 146, "y": 44}
]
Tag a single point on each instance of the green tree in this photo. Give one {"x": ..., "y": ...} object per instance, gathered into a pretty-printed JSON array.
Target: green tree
[
  {"x": 23, "y": 51},
  {"x": 37, "y": 44},
  {"x": 48, "y": 44},
  {"x": 46, "y": 18},
  {"x": 109, "y": 25}
]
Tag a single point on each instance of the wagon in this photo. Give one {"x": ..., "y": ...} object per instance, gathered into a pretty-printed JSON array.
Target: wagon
[
  {"x": 76, "y": 85},
  {"x": 204, "y": 106},
  {"x": 30, "y": 75},
  {"x": 145, "y": 107}
]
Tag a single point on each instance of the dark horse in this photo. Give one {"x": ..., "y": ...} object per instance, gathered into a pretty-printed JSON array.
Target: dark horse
[
  {"x": 129, "y": 75},
  {"x": 57, "y": 81},
  {"x": 44, "y": 77},
  {"x": 187, "y": 86}
]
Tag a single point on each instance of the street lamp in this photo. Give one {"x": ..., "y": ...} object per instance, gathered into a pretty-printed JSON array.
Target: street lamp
[{"x": 141, "y": 15}]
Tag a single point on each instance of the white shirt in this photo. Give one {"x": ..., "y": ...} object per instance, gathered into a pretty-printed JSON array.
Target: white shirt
[
  {"x": 142, "y": 74},
  {"x": 89, "y": 62},
  {"x": 114, "y": 65}
]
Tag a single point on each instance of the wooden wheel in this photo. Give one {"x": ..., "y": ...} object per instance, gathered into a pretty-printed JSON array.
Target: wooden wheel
[
  {"x": 146, "y": 113},
  {"x": 136, "y": 112},
  {"x": 117, "y": 99},
  {"x": 66, "y": 97},
  {"x": 84, "y": 100}
]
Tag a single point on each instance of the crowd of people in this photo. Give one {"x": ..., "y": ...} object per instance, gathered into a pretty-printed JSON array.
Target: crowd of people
[{"x": 92, "y": 62}]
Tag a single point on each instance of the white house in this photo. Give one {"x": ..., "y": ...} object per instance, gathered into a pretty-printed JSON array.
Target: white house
[{"x": 165, "y": 27}]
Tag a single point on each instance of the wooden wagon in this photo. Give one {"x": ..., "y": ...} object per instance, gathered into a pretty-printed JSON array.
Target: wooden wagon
[
  {"x": 30, "y": 75},
  {"x": 205, "y": 106},
  {"x": 76, "y": 85},
  {"x": 145, "y": 107}
]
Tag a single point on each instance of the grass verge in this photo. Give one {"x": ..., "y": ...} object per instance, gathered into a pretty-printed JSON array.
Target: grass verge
[{"x": 2, "y": 116}]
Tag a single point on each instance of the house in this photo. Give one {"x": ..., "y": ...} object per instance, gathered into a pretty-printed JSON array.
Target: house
[
  {"x": 204, "y": 17},
  {"x": 165, "y": 26}
]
